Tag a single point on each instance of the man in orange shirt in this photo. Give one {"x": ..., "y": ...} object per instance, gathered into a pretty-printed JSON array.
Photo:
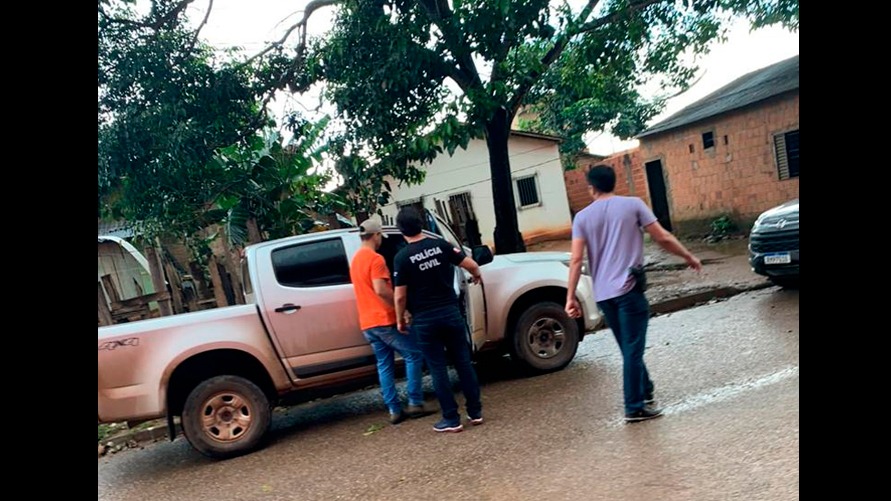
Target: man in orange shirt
[{"x": 377, "y": 319}]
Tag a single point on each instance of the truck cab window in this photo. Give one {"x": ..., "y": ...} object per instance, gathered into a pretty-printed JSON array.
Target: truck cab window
[{"x": 313, "y": 264}]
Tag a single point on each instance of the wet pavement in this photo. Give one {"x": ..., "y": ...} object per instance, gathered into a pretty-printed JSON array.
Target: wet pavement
[{"x": 727, "y": 374}]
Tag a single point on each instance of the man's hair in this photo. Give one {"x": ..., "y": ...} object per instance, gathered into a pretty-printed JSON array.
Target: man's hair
[
  {"x": 602, "y": 178},
  {"x": 409, "y": 221},
  {"x": 367, "y": 236}
]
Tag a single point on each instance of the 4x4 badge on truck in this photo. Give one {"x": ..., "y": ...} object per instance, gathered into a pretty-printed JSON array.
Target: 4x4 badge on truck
[{"x": 110, "y": 345}]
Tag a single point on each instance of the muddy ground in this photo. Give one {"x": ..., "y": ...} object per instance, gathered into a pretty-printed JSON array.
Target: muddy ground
[{"x": 725, "y": 265}]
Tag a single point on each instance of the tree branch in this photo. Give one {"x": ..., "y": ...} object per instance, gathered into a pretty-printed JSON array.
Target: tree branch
[
  {"x": 571, "y": 32},
  {"x": 200, "y": 26},
  {"x": 311, "y": 7},
  {"x": 562, "y": 41},
  {"x": 633, "y": 7},
  {"x": 466, "y": 74},
  {"x": 179, "y": 8},
  {"x": 157, "y": 23}
]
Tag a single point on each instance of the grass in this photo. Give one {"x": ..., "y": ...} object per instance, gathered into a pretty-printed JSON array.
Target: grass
[{"x": 109, "y": 430}]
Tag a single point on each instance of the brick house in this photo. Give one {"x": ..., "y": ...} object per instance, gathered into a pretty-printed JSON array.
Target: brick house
[{"x": 734, "y": 152}]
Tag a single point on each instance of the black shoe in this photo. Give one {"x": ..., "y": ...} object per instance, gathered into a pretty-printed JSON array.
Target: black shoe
[
  {"x": 476, "y": 421},
  {"x": 396, "y": 418},
  {"x": 643, "y": 415},
  {"x": 445, "y": 426},
  {"x": 417, "y": 411},
  {"x": 649, "y": 399}
]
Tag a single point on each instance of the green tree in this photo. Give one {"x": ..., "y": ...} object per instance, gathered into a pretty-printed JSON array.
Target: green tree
[
  {"x": 184, "y": 136},
  {"x": 273, "y": 184},
  {"x": 412, "y": 79}
]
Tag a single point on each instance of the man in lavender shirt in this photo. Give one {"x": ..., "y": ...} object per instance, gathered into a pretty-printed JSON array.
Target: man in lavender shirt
[{"x": 611, "y": 230}]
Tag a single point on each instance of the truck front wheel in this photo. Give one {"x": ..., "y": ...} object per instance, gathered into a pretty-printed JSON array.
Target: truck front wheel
[
  {"x": 545, "y": 339},
  {"x": 226, "y": 416}
]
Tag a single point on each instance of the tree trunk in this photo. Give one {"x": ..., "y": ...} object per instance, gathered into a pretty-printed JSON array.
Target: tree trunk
[
  {"x": 507, "y": 229},
  {"x": 254, "y": 235}
]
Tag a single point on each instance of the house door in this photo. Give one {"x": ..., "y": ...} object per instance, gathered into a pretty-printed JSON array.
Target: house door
[
  {"x": 463, "y": 220},
  {"x": 658, "y": 194}
]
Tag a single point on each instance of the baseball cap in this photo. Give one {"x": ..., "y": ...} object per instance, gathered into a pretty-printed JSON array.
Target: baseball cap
[{"x": 370, "y": 227}]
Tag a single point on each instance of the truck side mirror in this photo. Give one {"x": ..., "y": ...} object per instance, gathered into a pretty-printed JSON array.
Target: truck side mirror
[{"x": 482, "y": 254}]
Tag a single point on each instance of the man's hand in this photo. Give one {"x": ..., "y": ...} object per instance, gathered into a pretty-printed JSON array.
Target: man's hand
[
  {"x": 406, "y": 321},
  {"x": 476, "y": 279},
  {"x": 572, "y": 308},
  {"x": 693, "y": 262}
]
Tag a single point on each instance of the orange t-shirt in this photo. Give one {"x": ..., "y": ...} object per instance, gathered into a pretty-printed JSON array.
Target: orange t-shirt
[{"x": 368, "y": 265}]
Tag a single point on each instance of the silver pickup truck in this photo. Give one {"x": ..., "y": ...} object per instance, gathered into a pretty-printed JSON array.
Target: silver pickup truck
[{"x": 222, "y": 371}]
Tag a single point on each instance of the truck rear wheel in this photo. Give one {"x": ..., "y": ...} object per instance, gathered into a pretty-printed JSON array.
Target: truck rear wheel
[
  {"x": 226, "y": 416},
  {"x": 545, "y": 339}
]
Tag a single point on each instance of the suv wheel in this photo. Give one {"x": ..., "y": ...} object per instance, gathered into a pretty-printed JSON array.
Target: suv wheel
[
  {"x": 545, "y": 339},
  {"x": 226, "y": 416}
]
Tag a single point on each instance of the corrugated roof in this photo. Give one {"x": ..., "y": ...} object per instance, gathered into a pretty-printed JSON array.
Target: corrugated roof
[
  {"x": 115, "y": 228},
  {"x": 748, "y": 89},
  {"x": 536, "y": 135}
]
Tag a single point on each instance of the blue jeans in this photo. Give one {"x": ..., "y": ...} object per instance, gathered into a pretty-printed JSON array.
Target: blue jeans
[
  {"x": 386, "y": 342},
  {"x": 442, "y": 336},
  {"x": 628, "y": 316}
]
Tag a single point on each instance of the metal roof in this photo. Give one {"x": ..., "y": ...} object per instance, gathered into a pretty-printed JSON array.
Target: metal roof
[{"x": 748, "y": 89}]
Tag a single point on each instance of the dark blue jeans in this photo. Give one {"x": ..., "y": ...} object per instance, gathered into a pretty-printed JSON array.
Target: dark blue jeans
[
  {"x": 386, "y": 342},
  {"x": 442, "y": 337},
  {"x": 628, "y": 316}
]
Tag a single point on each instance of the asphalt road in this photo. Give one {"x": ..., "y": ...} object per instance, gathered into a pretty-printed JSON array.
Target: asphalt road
[{"x": 726, "y": 373}]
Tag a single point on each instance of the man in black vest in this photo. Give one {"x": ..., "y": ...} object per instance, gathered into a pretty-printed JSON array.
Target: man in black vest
[{"x": 424, "y": 277}]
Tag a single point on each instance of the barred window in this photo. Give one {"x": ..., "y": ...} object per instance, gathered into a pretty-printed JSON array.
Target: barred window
[
  {"x": 787, "y": 154},
  {"x": 527, "y": 191}
]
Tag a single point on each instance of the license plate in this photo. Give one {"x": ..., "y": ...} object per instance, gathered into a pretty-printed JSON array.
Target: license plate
[{"x": 778, "y": 258}]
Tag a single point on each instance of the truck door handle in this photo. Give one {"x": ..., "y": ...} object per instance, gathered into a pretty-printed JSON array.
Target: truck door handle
[{"x": 287, "y": 308}]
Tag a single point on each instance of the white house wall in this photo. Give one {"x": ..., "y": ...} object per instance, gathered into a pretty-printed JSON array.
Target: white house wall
[{"x": 468, "y": 171}]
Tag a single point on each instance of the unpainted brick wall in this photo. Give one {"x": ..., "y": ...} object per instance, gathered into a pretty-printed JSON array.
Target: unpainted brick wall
[
  {"x": 630, "y": 178},
  {"x": 738, "y": 176}
]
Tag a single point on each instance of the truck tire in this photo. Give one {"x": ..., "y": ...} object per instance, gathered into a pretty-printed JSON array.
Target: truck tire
[
  {"x": 545, "y": 339},
  {"x": 226, "y": 416}
]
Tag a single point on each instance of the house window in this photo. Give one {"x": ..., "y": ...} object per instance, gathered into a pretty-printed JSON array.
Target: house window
[
  {"x": 313, "y": 264},
  {"x": 708, "y": 140},
  {"x": 527, "y": 191},
  {"x": 787, "y": 154}
]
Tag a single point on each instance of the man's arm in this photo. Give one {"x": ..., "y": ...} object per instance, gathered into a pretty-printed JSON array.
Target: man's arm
[
  {"x": 473, "y": 268},
  {"x": 576, "y": 258},
  {"x": 383, "y": 290},
  {"x": 400, "y": 298},
  {"x": 670, "y": 243}
]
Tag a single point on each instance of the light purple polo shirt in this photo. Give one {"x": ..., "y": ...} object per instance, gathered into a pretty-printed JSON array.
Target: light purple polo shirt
[{"x": 613, "y": 233}]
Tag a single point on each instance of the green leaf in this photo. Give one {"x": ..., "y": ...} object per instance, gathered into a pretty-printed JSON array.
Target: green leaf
[{"x": 373, "y": 429}]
